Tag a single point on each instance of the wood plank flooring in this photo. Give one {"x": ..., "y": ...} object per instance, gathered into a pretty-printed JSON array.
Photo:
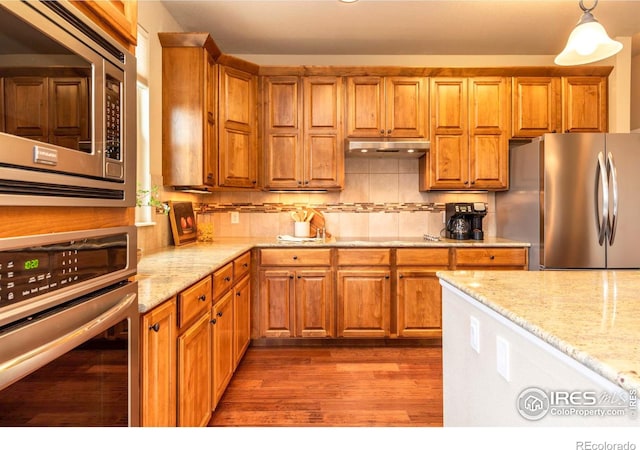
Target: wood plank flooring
[{"x": 334, "y": 387}]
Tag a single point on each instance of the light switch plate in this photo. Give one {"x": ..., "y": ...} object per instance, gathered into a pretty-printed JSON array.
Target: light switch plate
[
  {"x": 502, "y": 357},
  {"x": 474, "y": 334},
  {"x": 235, "y": 217}
]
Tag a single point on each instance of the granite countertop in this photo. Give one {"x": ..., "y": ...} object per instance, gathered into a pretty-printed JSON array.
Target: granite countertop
[
  {"x": 164, "y": 273},
  {"x": 592, "y": 316}
]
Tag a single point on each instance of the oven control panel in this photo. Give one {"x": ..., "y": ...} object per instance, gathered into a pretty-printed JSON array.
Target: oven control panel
[{"x": 35, "y": 270}]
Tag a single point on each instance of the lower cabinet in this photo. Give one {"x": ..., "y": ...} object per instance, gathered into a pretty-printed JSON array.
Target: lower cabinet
[
  {"x": 157, "y": 364},
  {"x": 222, "y": 344},
  {"x": 364, "y": 292},
  {"x": 194, "y": 374},
  {"x": 191, "y": 345}
]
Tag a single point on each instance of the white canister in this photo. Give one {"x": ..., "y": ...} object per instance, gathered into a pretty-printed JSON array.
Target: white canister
[{"x": 301, "y": 229}]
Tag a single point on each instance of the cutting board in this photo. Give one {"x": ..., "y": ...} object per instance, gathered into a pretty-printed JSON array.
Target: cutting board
[{"x": 317, "y": 221}]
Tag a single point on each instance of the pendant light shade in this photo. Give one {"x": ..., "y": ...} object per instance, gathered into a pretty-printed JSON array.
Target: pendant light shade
[{"x": 588, "y": 42}]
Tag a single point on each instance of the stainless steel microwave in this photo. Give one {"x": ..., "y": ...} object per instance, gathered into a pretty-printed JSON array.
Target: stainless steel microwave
[{"x": 67, "y": 111}]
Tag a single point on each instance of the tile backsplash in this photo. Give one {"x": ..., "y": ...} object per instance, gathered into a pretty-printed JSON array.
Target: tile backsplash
[{"x": 380, "y": 199}]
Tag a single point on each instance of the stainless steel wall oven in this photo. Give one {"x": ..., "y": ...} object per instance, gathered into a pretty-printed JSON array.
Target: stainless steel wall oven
[
  {"x": 69, "y": 329},
  {"x": 66, "y": 87}
]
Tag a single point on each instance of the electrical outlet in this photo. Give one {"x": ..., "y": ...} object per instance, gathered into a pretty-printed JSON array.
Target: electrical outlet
[
  {"x": 235, "y": 217},
  {"x": 474, "y": 333},
  {"x": 502, "y": 357}
]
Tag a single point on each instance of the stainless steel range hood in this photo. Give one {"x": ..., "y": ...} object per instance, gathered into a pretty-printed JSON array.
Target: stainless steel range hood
[{"x": 386, "y": 148}]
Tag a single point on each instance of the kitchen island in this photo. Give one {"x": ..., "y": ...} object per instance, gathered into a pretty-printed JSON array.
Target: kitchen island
[{"x": 541, "y": 348}]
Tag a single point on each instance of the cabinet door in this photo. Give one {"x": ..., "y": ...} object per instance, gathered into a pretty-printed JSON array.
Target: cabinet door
[
  {"x": 157, "y": 371},
  {"x": 276, "y": 295},
  {"x": 449, "y": 153},
  {"x": 27, "y": 107},
  {"x": 323, "y": 141},
  {"x": 283, "y": 132},
  {"x": 237, "y": 153},
  {"x": 363, "y": 303},
  {"x": 241, "y": 319},
  {"x": 314, "y": 303},
  {"x": 419, "y": 303},
  {"x": 210, "y": 150},
  {"x": 407, "y": 101},
  {"x": 489, "y": 133},
  {"x": 68, "y": 113},
  {"x": 194, "y": 374},
  {"x": 223, "y": 358},
  {"x": 584, "y": 104},
  {"x": 365, "y": 107},
  {"x": 536, "y": 106}
]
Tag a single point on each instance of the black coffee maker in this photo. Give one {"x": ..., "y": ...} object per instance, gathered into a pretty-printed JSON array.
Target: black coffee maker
[{"x": 464, "y": 220}]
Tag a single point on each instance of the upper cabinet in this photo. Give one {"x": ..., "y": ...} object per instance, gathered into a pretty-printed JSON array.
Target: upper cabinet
[
  {"x": 208, "y": 116},
  {"x": 387, "y": 107},
  {"x": 559, "y": 105},
  {"x": 237, "y": 151},
  {"x": 469, "y": 134},
  {"x": 302, "y": 128},
  {"x": 119, "y": 18}
]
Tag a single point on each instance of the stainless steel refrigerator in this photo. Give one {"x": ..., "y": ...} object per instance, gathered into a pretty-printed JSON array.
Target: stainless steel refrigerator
[{"x": 576, "y": 198}]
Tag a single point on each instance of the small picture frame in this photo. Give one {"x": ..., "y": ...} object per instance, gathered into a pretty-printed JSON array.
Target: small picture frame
[{"x": 183, "y": 222}]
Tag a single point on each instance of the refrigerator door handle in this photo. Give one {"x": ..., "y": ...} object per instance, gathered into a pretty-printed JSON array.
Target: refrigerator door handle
[
  {"x": 601, "y": 176},
  {"x": 611, "y": 172}
]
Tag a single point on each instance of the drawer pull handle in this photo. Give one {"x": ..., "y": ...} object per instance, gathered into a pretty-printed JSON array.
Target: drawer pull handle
[
  {"x": 219, "y": 314},
  {"x": 203, "y": 298},
  {"x": 155, "y": 327}
]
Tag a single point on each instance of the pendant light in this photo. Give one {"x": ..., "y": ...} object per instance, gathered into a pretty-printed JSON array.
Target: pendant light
[{"x": 588, "y": 42}]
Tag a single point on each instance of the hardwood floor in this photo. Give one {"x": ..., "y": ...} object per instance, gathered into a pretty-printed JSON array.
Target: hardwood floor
[{"x": 335, "y": 387}]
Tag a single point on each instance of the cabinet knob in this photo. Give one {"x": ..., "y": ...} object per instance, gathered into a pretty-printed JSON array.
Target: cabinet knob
[
  {"x": 381, "y": 131},
  {"x": 473, "y": 182},
  {"x": 295, "y": 257},
  {"x": 291, "y": 277},
  {"x": 492, "y": 257},
  {"x": 203, "y": 298},
  {"x": 219, "y": 314},
  {"x": 299, "y": 276},
  {"x": 238, "y": 294},
  {"x": 245, "y": 265},
  {"x": 155, "y": 327},
  {"x": 388, "y": 131},
  {"x": 386, "y": 277},
  {"x": 400, "y": 276},
  {"x": 213, "y": 321}
]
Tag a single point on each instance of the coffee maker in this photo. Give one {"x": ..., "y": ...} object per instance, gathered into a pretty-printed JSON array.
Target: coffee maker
[{"x": 464, "y": 220}]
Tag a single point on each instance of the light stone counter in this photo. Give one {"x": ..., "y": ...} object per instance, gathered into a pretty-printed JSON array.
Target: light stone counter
[
  {"x": 164, "y": 273},
  {"x": 591, "y": 316}
]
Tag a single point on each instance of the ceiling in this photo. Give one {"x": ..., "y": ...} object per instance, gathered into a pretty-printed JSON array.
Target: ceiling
[{"x": 399, "y": 27}]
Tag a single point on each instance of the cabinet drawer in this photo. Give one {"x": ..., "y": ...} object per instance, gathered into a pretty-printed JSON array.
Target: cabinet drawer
[
  {"x": 422, "y": 256},
  {"x": 194, "y": 301},
  {"x": 222, "y": 280},
  {"x": 491, "y": 257},
  {"x": 364, "y": 257},
  {"x": 296, "y": 257},
  {"x": 241, "y": 265}
]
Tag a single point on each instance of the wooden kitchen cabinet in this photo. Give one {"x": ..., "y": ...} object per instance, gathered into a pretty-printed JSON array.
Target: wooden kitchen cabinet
[
  {"x": 364, "y": 292},
  {"x": 53, "y": 109},
  {"x": 490, "y": 258},
  {"x": 119, "y": 18},
  {"x": 302, "y": 121},
  {"x": 194, "y": 355},
  {"x": 558, "y": 104},
  {"x": 237, "y": 150},
  {"x": 387, "y": 107},
  {"x": 223, "y": 356},
  {"x": 469, "y": 135},
  {"x": 158, "y": 407},
  {"x": 241, "y": 319},
  {"x": 419, "y": 298},
  {"x": 296, "y": 293}
]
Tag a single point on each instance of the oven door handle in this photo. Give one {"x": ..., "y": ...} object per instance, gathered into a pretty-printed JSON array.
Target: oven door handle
[{"x": 18, "y": 367}]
